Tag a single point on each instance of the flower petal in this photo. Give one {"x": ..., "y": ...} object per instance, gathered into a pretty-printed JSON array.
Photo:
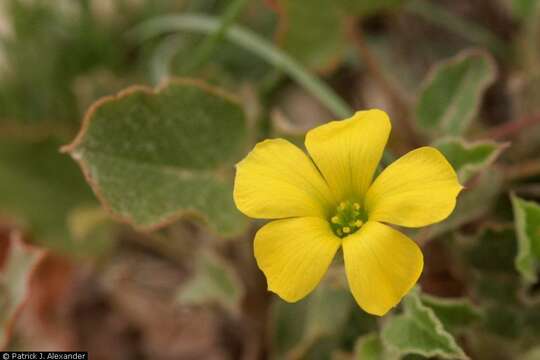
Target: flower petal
[
  {"x": 294, "y": 254},
  {"x": 277, "y": 180},
  {"x": 418, "y": 189},
  {"x": 348, "y": 151},
  {"x": 382, "y": 265}
]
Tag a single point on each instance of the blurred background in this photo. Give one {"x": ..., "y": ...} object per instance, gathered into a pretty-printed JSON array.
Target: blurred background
[{"x": 463, "y": 76}]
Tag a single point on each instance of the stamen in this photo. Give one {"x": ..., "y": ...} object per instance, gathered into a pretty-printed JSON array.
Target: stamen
[{"x": 348, "y": 218}]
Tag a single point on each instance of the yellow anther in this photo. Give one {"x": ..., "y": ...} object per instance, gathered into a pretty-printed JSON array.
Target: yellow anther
[{"x": 347, "y": 219}]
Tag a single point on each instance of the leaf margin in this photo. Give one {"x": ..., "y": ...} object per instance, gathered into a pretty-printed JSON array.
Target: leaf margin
[
  {"x": 414, "y": 297},
  {"x": 525, "y": 251},
  {"x": 500, "y": 147},
  {"x": 448, "y": 62}
]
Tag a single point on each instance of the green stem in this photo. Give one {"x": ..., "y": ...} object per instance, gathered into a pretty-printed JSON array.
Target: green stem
[
  {"x": 163, "y": 55},
  {"x": 251, "y": 42},
  {"x": 205, "y": 50}
]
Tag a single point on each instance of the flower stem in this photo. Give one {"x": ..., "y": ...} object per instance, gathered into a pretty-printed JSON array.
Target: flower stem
[
  {"x": 522, "y": 170},
  {"x": 512, "y": 128},
  {"x": 251, "y": 42},
  {"x": 256, "y": 44},
  {"x": 203, "y": 52}
]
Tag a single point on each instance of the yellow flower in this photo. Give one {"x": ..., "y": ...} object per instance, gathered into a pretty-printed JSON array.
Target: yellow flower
[{"x": 330, "y": 201}]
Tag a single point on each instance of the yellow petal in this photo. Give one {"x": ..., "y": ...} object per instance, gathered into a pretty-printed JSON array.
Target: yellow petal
[
  {"x": 418, "y": 189},
  {"x": 382, "y": 265},
  {"x": 277, "y": 180},
  {"x": 294, "y": 254},
  {"x": 348, "y": 151}
]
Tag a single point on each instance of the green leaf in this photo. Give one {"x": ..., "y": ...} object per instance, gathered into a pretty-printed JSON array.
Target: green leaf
[
  {"x": 312, "y": 326},
  {"x": 468, "y": 159},
  {"x": 527, "y": 225},
  {"x": 38, "y": 189},
  {"x": 419, "y": 331},
  {"x": 323, "y": 324},
  {"x": 472, "y": 203},
  {"x": 499, "y": 288},
  {"x": 288, "y": 322},
  {"x": 311, "y": 31},
  {"x": 504, "y": 320},
  {"x": 153, "y": 157},
  {"x": 17, "y": 263},
  {"x": 493, "y": 251},
  {"x": 454, "y": 313},
  {"x": 322, "y": 318},
  {"x": 512, "y": 321},
  {"x": 452, "y": 92},
  {"x": 369, "y": 347},
  {"x": 214, "y": 281}
]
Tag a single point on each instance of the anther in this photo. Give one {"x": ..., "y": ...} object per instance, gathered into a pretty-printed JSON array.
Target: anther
[{"x": 347, "y": 219}]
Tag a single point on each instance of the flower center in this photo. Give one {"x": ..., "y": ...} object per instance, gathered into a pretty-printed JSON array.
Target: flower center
[{"x": 348, "y": 218}]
